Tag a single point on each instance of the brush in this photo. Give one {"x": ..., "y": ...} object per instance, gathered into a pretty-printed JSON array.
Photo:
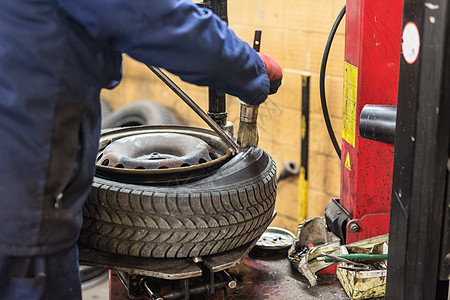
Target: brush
[{"x": 248, "y": 133}]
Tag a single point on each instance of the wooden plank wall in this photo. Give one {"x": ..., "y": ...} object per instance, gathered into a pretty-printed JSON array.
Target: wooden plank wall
[{"x": 295, "y": 33}]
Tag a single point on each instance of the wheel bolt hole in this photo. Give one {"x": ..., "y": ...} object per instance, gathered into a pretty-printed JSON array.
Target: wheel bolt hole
[
  {"x": 163, "y": 167},
  {"x": 185, "y": 165},
  {"x": 201, "y": 161},
  {"x": 140, "y": 168},
  {"x": 105, "y": 162},
  {"x": 120, "y": 166}
]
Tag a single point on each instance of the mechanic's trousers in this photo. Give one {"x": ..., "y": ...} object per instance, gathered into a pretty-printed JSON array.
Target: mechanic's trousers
[{"x": 53, "y": 276}]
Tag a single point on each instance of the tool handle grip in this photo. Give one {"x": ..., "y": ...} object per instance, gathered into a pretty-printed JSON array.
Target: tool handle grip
[
  {"x": 257, "y": 40},
  {"x": 358, "y": 257}
]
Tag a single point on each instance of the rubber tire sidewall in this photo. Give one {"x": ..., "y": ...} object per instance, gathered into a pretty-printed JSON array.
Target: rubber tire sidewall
[
  {"x": 227, "y": 209},
  {"x": 143, "y": 112}
]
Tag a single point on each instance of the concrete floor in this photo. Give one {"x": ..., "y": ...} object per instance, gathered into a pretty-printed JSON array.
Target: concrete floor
[{"x": 98, "y": 290}]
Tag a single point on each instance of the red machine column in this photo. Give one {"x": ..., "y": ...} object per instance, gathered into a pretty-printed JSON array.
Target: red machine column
[{"x": 372, "y": 55}]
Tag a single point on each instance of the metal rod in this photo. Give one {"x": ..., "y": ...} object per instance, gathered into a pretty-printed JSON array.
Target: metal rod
[
  {"x": 217, "y": 103},
  {"x": 151, "y": 293},
  {"x": 303, "y": 178},
  {"x": 214, "y": 126},
  {"x": 200, "y": 289},
  {"x": 232, "y": 283},
  {"x": 257, "y": 40},
  {"x": 220, "y": 8}
]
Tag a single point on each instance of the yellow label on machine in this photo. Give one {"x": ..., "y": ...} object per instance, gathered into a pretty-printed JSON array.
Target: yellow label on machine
[
  {"x": 350, "y": 95},
  {"x": 347, "y": 162}
]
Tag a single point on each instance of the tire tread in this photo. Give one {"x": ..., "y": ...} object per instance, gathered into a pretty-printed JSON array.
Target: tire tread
[{"x": 172, "y": 224}]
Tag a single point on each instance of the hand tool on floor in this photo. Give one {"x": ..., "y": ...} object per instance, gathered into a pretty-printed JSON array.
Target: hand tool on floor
[
  {"x": 248, "y": 134},
  {"x": 354, "y": 257},
  {"x": 336, "y": 259}
]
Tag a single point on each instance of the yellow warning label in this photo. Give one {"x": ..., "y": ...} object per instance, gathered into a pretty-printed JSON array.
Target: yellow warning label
[
  {"x": 350, "y": 95},
  {"x": 347, "y": 163}
]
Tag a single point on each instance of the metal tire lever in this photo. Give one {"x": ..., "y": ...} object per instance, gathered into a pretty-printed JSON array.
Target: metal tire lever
[{"x": 214, "y": 126}]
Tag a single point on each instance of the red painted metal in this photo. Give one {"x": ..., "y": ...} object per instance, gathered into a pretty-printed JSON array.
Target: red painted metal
[
  {"x": 116, "y": 289},
  {"x": 369, "y": 226},
  {"x": 372, "y": 44},
  {"x": 330, "y": 270}
]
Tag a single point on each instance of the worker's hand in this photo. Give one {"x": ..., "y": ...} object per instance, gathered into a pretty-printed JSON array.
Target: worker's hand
[{"x": 274, "y": 71}]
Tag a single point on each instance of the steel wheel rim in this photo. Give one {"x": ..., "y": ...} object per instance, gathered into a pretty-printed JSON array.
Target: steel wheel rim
[{"x": 212, "y": 145}]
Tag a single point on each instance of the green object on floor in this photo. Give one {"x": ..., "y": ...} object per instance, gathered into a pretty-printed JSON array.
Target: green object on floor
[{"x": 355, "y": 257}]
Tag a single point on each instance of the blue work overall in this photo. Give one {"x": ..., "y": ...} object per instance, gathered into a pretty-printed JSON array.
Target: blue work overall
[{"x": 55, "y": 57}]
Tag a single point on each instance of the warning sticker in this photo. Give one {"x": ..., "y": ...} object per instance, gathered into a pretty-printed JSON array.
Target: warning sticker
[
  {"x": 350, "y": 95},
  {"x": 347, "y": 163}
]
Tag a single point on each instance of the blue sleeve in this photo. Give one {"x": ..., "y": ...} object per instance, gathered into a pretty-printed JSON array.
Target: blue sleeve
[{"x": 188, "y": 41}]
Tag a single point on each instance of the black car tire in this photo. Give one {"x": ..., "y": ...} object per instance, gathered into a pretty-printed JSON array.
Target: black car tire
[
  {"x": 143, "y": 112},
  {"x": 223, "y": 211}
]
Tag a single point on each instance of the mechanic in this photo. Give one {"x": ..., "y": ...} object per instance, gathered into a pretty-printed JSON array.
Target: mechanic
[{"x": 55, "y": 56}]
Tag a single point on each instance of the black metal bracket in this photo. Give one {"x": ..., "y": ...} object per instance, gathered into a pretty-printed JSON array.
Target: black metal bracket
[
  {"x": 208, "y": 275},
  {"x": 180, "y": 289},
  {"x": 337, "y": 218}
]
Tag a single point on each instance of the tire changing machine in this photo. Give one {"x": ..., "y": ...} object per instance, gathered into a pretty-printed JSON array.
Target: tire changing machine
[
  {"x": 396, "y": 94},
  {"x": 372, "y": 48},
  {"x": 149, "y": 278},
  {"x": 176, "y": 278}
]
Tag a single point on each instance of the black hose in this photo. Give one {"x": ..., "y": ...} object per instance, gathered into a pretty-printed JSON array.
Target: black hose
[{"x": 323, "y": 68}]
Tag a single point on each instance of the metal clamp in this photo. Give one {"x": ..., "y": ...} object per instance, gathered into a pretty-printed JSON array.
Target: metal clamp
[{"x": 249, "y": 113}]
